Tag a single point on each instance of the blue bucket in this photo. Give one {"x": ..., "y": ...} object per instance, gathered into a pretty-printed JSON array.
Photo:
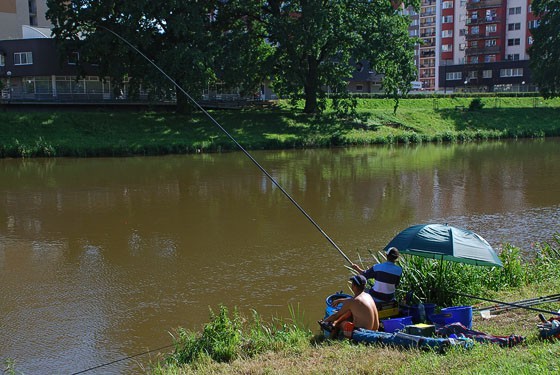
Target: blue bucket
[
  {"x": 330, "y": 309},
  {"x": 429, "y": 309},
  {"x": 396, "y": 324},
  {"x": 461, "y": 314}
]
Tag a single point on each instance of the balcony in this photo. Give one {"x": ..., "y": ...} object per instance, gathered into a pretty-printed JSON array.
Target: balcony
[
  {"x": 482, "y": 50},
  {"x": 482, "y": 36},
  {"x": 484, "y": 4},
  {"x": 483, "y": 20}
]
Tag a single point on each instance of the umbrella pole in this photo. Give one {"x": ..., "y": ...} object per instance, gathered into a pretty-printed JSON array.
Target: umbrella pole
[{"x": 507, "y": 303}]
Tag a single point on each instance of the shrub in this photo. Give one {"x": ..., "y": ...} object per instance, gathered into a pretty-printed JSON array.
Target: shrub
[
  {"x": 220, "y": 340},
  {"x": 476, "y": 104}
]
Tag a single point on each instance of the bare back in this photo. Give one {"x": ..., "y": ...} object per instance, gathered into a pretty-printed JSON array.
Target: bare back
[{"x": 364, "y": 312}]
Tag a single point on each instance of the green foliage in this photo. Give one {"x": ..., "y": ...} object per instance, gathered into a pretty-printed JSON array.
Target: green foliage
[
  {"x": 10, "y": 367},
  {"x": 431, "y": 280},
  {"x": 226, "y": 338},
  {"x": 476, "y": 104},
  {"x": 220, "y": 340},
  {"x": 545, "y": 50}
]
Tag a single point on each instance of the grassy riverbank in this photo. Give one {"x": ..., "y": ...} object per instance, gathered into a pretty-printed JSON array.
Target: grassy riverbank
[
  {"x": 83, "y": 134},
  {"x": 232, "y": 344}
]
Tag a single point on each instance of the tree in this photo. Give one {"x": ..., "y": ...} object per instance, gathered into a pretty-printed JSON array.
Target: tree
[
  {"x": 545, "y": 50},
  {"x": 318, "y": 42},
  {"x": 187, "y": 39}
]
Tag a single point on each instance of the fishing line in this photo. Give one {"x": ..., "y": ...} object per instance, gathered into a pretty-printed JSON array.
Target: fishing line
[
  {"x": 507, "y": 303},
  {"x": 120, "y": 360},
  {"x": 234, "y": 141}
]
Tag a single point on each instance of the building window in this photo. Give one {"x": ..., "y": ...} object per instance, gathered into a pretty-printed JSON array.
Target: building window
[
  {"x": 23, "y": 58},
  {"x": 514, "y": 10},
  {"x": 461, "y": 32},
  {"x": 2, "y": 60},
  {"x": 490, "y": 58},
  {"x": 461, "y": 46},
  {"x": 514, "y": 56},
  {"x": 446, "y": 47},
  {"x": 447, "y": 19},
  {"x": 491, "y": 28},
  {"x": 514, "y": 26},
  {"x": 487, "y": 74},
  {"x": 413, "y": 32},
  {"x": 514, "y": 42},
  {"x": 491, "y": 15},
  {"x": 475, "y": 30},
  {"x": 533, "y": 24},
  {"x": 73, "y": 58},
  {"x": 530, "y": 40},
  {"x": 513, "y": 72},
  {"x": 447, "y": 34},
  {"x": 359, "y": 88},
  {"x": 447, "y": 4},
  {"x": 454, "y": 76},
  {"x": 474, "y": 44},
  {"x": 474, "y": 59},
  {"x": 490, "y": 42}
]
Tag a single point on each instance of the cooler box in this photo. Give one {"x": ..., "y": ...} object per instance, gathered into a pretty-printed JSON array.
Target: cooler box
[
  {"x": 396, "y": 324},
  {"x": 387, "y": 309},
  {"x": 421, "y": 329}
]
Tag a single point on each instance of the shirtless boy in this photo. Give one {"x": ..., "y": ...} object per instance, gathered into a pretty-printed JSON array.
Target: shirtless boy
[{"x": 360, "y": 309}]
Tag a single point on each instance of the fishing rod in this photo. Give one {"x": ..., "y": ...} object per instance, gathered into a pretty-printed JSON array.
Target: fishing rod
[
  {"x": 525, "y": 302},
  {"x": 507, "y": 303},
  {"x": 215, "y": 122}
]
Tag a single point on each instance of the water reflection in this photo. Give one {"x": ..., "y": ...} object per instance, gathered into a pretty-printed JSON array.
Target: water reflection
[{"x": 99, "y": 258}]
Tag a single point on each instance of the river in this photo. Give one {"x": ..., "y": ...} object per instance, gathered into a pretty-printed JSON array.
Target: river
[{"x": 101, "y": 258}]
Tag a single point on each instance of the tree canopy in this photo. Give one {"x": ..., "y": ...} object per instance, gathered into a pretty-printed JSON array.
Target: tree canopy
[
  {"x": 318, "y": 43},
  {"x": 307, "y": 47},
  {"x": 545, "y": 50}
]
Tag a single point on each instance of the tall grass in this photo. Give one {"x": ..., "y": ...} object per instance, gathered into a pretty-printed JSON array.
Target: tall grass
[
  {"x": 229, "y": 336},
  {"x": 435, "y": 281}
]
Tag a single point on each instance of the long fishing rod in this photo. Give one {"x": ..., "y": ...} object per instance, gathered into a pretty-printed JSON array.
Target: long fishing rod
[
  {"x": 507, "y": 303},
  {"x": 234, "y": 141},
  {"x": 121, "y": 359},
  {"x": 525, "y": 302}
]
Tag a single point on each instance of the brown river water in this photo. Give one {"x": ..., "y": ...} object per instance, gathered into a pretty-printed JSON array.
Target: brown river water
[{"x": 101, "y": 258}]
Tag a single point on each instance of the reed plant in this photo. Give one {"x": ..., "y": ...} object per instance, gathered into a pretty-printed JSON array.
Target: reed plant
[
  {"x": 435, "y": 281},
  {"x": 229, "y": 336}
]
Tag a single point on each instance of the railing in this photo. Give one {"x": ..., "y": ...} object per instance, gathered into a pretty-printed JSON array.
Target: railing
[
  {"x": 483, "y": 20},
  {"x": 470, "y": 36},
  {"x": 484, "y": 4},
  {"x": 482, "y": 50}
]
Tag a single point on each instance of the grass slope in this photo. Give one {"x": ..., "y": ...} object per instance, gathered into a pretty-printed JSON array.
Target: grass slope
[{"x": 82, "y": 134}]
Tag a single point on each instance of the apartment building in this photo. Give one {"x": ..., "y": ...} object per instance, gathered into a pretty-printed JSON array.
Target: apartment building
[
  {"x": 16, "y": 14},
  {"x": 473, "y": 45}
]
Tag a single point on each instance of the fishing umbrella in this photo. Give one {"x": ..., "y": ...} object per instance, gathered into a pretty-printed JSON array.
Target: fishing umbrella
[{"x": 445, "y": 242}]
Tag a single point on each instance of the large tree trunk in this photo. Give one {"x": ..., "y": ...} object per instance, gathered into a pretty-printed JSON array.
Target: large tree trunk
[
  {"x": 184, "y": 104},
  {"x": 311, "y": 86}
]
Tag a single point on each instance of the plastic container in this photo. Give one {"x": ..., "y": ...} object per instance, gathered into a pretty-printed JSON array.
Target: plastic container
[
  {"x": 429, "y": 309},
  {"x": 330, "y": 309},
  {"x": 396, "y": 324},
  {"x": 418, "y": 313},
  {"x": 461, "y": 314},
  {"x": 440, "y": 319}
]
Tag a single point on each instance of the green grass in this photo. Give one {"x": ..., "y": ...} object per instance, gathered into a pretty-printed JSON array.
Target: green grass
[
  {"x": 83, "y": 134},
  {"x": 230, "y": 344}
]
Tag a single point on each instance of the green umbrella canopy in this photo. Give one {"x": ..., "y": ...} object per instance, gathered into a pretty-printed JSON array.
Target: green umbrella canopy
[{"x": 442, "y": 241}]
